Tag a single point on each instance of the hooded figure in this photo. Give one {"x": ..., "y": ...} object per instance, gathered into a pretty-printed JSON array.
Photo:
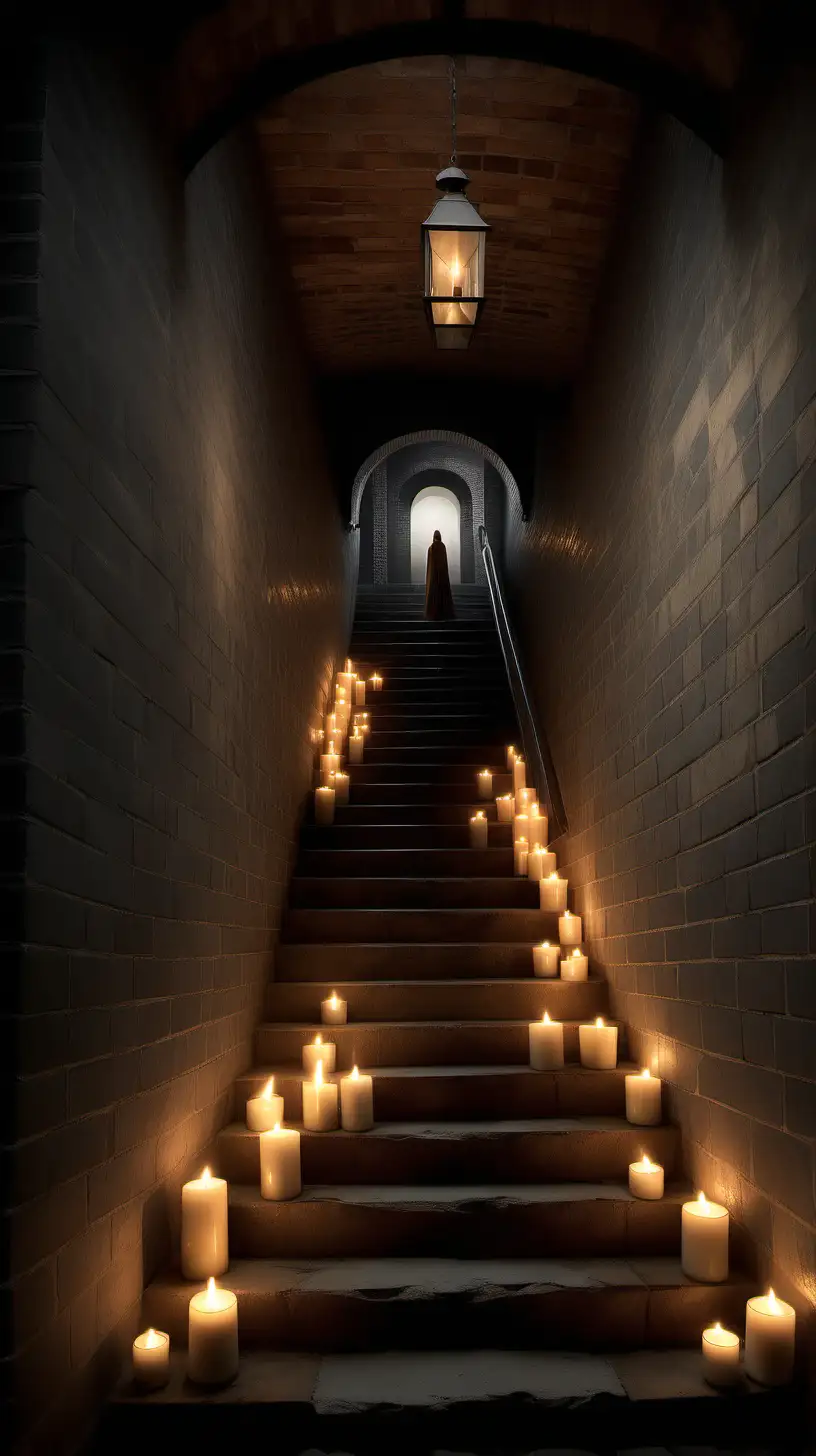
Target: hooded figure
[{"x": 438, "y": 594}]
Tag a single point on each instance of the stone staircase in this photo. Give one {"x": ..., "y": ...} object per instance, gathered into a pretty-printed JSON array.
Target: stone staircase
[{"x": 472, "y": 1274}]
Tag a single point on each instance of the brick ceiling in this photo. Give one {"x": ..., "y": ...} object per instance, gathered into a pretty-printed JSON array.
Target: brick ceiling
[{"x": 351, "y": 161}]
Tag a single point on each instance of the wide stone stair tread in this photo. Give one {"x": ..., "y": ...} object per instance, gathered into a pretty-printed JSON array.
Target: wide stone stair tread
[
  {"x": 358, "y": 960},
  {"x": 410, "y": 862},
  {"x": 530, "y": 926},
  {"x": 386, "y": 1000},
  {"x": 389, "y": 1196},
  {"x": 402, "y": 892},
  {"x": 378, "y": 1043}
]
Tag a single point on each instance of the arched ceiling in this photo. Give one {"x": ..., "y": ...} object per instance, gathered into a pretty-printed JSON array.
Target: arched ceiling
[{"x": 351, "y": 161}]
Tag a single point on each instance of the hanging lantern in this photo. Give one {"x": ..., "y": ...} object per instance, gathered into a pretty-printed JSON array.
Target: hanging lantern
[{"x": 453, "y": 244}]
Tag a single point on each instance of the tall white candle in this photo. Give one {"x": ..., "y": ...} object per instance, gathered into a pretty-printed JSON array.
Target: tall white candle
[
  {"x": 151, "y": 1359},
  {"x": 324, "y": 805},
  {"x": 546, "y": 1044},
  {"x": 521, "y": 827},
  {"x": 334, "y": 1011},
  {"x": 646, "y": 1179},
  {"x": 345, "y": 680},
  {"x": 356, "y": 746},
  {"x": 478, "y": 831},
  {"x": 204, "y": 1237},
  {"x": 721, "y": 1356},
  {"x": 643, "y": 1098},
  {"x": 341, "y": 784},
  {"x": 520, "y": 857},
  {"x": 329, "y": 765},
  {"x": 575, "y": 966},
  {"x": 519, "y": 774},
  {"x": 538, "y": 823},
  {"x": 263, "y": 1111},
  {"x": 319, "y": 1103},
  {"x": 359, "y": 692},
  {"x": 485, "y": 782},
  {"x": 545, "y": 959},
  {"x": 280, "y": 1163},
  {"x": 505, "y": 809},
  {"x": 375, "y": 682},
  {"x": 704, "y": 1241},
  {"x": 510, "y": 754},
  {"x": 553, "y": 893},
  {"x": 357, "y": 1101},
  {"x": 770, "y": 1339},
  {"x": 570, "y": 930},
  {"x": 598, "y": 1045},
  {"x": 540, "y": 862},
  {"x": 319, "y": 1051},
  {"x": 212, "y": 1355}
]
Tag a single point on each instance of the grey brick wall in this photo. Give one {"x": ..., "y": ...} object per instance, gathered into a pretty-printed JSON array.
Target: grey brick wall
[
  {"x": 665, "y": 590},
  {"x": 187, "y": 595}
]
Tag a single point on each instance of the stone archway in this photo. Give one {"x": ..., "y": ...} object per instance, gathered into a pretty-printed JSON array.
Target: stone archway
[
  {"x": 433, "y": 508},
  {"x": 430, "y": 436},
  {"x": 402, "y": 493}
]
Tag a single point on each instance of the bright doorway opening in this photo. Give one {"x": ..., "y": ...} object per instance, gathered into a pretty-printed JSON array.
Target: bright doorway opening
[{"x": 435, "y": 509}]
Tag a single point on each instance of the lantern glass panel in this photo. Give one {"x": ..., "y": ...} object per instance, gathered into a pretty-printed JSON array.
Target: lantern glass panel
[{"x": 455, "y": 264}]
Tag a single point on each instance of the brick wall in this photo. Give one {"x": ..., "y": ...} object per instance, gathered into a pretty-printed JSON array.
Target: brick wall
[
  {"x": 666, "y": 591},
  {"x": 187, "y": 593}
]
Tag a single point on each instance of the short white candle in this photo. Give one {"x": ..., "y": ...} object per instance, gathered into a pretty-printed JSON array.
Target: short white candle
[
  {"x": 546, "y": 1044},
  {"x": 520, "y": 857},
  {"x": 521, "y": 827},
  {"x": 334, "y": 1011},
  {"x": 319, "y": 1051},
  {"x": 540, "y": 862},
  {"x": 510, "y": 754},
  {"x": 359, "y": 692},
  {"x": 505, "y": 808},
  {"x": 151, "y": 1359},
  {"x": 375, "y": 682},
  {"x": 485, "y": 782},
  {"x": 770, "y": 1339},
  {"x": 553, "y": 893},
  {"x": 704, "y": 1241},
  {"x": 204, "y": 1237},
  {"x": 341, "y": 784},
  {"x": 545, "y": 959},
  {"x": 646, "y": 1179},
  {"x": 319, "y": 1103},
  {"x": 598, "y": 1045},
  {"x": 643, "y": 1098},
  {"x": 575, "y": 966},
  {"x": 263, "y": 1111},
  {"x": 280, "y": 1163},
  {"x": 721, "y": 1356},
  {"x": 570, "y": 929},
  {"x": 324, "y": 805},
  {"x": 519, "y": 774},
  {"x": 357, "y": 1101},
  {"x": 356, "y": 746},
  {"x": 478, "y": 831},
  {"x": 212, "y": 1355}
]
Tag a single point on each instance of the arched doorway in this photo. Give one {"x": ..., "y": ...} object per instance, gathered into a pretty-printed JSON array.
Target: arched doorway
[{"x": 435, "y": 509}]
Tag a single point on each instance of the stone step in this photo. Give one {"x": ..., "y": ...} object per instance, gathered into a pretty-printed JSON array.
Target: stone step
[
  {"x": 355, "y": 962},
  {"x": 435, "y": 796},
  {"x": 406, "y": 893},
  {"x": 442, "y": 1000},
  {"x": 438, "y": 739},
  {"x": 479, "y": 754},
  {"x": 348, "y": 1221},
  {"x": 410, "y": 926},
  {"x": 422, "y": 839},
  {"x": 412, "y": 718},
  {"x": 412, "y": 1304},
  {"x": 443, "y": 778},
  {"x": 479, "y": 1401},
  {"x": 517, "y": 1150},
  {"x": 413, "y": 813},
  {"x": 461, "y": 1093},
  {"x": 414, "y": 1043},
  {"x": 408, "y": 864}
]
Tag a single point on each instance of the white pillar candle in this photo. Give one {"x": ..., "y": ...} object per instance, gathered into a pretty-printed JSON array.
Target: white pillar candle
[
  {"x": 151, "y": 1359},
  {"x": 643, "y": 1098},
  {"x": 356, "y": 746},
  {"x": 509, "y": 755},
  {"x": 342, "y": 711},
  {"x": 341, "y": 784},
  {"x": 519, "y": 774},
  {"x": 545, "y": 959},
  {"x": 204, "y": 1238},
  {"x": 505, "y": 808},
  {"x": 319, "y": 1051},
  {"x": 721, "y": 1356},
  {"x": 359, "y": 692},
  {"x": 324, "y": 805},
  {"x": 478, "y": 831},
  {"x": 485, "y": 781},
  {"x": 704, "y": 1241},
  {"x": 524, "y": 798},
  {"x": 646, "y": 1179},
  {"x": 334, "y": 1011},
  {"x": 521, "y": 827},
  {"x": 333, "y": 726},
  {"x": 570, "y": 929},
  {"x": 575, "y": 966},
  {"x": 319, "y": 1103},
  {"x": 280, "y": 1163},
  {"x": 212, "y": 1354},
  {"x": 357, "y": 1101},
  {"x": 552, "y": 893},
  {"x": 540, "y": 862},
  {"x": 329, "y": 765},
  {"x": 345, "y": 681},
  {"x": 546, "y": 1044},
  {"x": 598, "y": 1045},
  {"x": 770, "y": 1339},
  {"x": 538, "y": 824},
  {"x": 263, "y": 1111},
  {"x": 520, "y": 857},
  {"x": 375, "y": 682}
]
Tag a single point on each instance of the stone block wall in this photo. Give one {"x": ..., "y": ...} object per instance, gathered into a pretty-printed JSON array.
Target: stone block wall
[
  {"x": 188, "y": 591},
  {"x": 665, "y": 592}
]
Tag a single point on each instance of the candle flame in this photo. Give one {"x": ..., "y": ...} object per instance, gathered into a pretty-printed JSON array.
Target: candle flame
[
  {"x": 554, "y": 876},
  {"x": 702, "y": 1200},
  {"x": 599, "y": 1021},
  {"x": 206, "y": 1176},
  {"x": 333, "y": 1000},
  {"x": 645, "y": 1072},
  {"x": 575, "y": 953},
  {"x": 318, "y": 1076},
  {"x": 647, "y": 1163},
  {"x": 773, "y": 1302},
  {"x": 318, "y": 1041},
  {"x": 211, "y": 1300},
  {"x": 546, "y": 1016},
  {"x": 269, "y": 1089},
  {"x": 718, "y": 1327},
  {"x": 545, "y": 945},
  {"x": 151, "y": 1340},
  {"x": 355, "y": 1075},
  {"x": 277, "y": 1127}
]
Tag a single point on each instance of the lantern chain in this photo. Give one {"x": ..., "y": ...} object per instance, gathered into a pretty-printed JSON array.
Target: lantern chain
[{"x": 453, "y": 109}]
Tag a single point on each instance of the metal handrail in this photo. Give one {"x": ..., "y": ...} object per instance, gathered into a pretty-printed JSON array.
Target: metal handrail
[{"x": 536, "y": 748}]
